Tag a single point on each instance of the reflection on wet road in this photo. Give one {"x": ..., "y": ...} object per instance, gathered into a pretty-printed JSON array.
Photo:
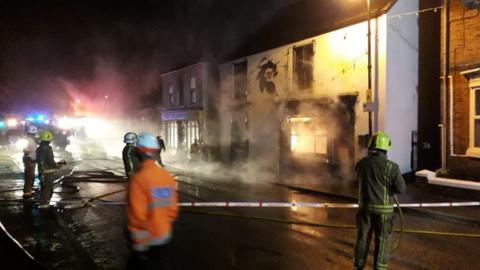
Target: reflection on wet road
[{"x": 93, "y": 237}]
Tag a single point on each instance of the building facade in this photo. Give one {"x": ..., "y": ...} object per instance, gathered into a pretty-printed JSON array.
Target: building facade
[
  {"x": 305, "y": 105},
  {"x": 188, "y": 108},
  {"x": 461, "y": 89}
]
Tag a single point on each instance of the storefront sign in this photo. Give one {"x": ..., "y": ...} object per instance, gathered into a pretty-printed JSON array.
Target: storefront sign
[{"x": 179, "y": 115}]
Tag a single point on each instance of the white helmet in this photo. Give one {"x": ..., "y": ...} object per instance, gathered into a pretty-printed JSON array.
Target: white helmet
[
  {"x": 130, "y": 137},
  {"x": 32, "y": 130},
  {"x": 147, "y": 144}
]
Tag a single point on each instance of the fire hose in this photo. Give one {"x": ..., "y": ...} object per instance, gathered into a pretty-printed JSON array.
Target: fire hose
[
  {"x": 76, "y": 204},
  {"x": 401, "y": 230},
  {"x": 402, "y": 225},
  {"x": 85, "y": 201}
]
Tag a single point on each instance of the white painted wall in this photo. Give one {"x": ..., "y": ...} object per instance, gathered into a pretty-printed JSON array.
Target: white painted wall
[
  {"x": 340, "y": 67},
  {"x": 401, "y": 112}
]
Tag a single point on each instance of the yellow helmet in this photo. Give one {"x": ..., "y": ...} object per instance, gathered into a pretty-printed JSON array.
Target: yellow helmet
[
  {"x": 380, "y": 141},
  {"x": 46, "y": 135}
]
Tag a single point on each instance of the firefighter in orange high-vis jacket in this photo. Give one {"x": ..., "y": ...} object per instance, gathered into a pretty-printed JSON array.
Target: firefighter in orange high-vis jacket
[{"x": 151, "y": 209}]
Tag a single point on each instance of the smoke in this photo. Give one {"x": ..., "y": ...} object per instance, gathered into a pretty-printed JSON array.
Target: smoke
[
  {"x": 87, "y": 48},
  {"x": 98, "y": 58}
]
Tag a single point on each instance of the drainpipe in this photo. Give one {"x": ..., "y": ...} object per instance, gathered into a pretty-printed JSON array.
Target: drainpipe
[
  {"x": 445, "y": 41},
  {"x": 369, "y": 52}
]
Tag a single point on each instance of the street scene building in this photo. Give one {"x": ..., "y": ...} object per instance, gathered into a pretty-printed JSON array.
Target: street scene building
[
  {"x": 461, "y": 90},
  {"x": 240, "y": 135},
  {"x": 188, "y": 107},
  {"x": 310, "y": 96}
]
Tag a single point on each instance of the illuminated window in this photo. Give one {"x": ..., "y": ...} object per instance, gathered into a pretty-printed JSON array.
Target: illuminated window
[
  {"x": 307, "y": 137},
  {"x": 303, "y": 66},
  {"x": 240, "y": 80},
  {"x": 172, "y": 134},
  {"x": 193, "y": 132}
]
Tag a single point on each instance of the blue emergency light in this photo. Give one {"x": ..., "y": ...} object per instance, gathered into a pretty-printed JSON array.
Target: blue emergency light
[{"x": 39, "y": 118}]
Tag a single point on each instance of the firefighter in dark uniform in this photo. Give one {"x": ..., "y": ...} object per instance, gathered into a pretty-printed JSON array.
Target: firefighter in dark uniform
[
  {"x": 47, "y": 167},
  {"x": 130, "y": 160},
  {"x": 162, "y": 148},
  {"x": 379, "y": 179}
]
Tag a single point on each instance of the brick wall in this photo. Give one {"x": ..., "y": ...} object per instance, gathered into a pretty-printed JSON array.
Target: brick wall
[
  {"x": 464, "y": 52},
  {"x": 461, "y": 110}
]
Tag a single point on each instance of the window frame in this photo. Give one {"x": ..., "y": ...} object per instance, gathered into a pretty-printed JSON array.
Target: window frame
[
  {"x": 304, "y": 85},
  {"x": 474, "y": 85},
  {"x": 240, "y": 94},
  {"x": 171, "y": 95},
  {"x": 193, "y": 90}
]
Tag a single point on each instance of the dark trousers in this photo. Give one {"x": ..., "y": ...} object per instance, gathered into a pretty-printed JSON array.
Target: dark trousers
[
  {"x": 381, "y": 225},
  {"x": 29, "y": 176},
  {"x": 156, "y": 258},
  {"x": 159, "y": 160},
  {"x": 46, "y": 186}
]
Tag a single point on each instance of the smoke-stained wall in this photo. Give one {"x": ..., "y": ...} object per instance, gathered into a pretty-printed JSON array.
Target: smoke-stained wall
[{"x": 339, "y": 64}]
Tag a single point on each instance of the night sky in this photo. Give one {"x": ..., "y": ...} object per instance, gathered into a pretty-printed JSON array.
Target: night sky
[{"x": 53, "y": 51}]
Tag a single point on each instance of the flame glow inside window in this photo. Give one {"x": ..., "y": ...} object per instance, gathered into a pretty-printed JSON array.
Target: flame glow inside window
[{"x": 307, "y": 137}]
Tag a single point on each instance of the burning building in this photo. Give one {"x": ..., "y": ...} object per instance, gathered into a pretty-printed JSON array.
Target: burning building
[{"x": 296, "y": 98}]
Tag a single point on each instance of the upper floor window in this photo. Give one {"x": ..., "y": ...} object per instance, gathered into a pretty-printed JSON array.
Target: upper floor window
[
  {"x": 193, "y": 83},
  {"x": 171, "y": 95},
  {"x": 181, "y": 90},
  {"x": 240, "y": 80},
  {"x": 193, "y": 90},
  {"x": 303, "y": 66}
]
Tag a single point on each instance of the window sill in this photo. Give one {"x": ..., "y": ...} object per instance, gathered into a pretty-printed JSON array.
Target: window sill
[{"x": 473, "y": 152}]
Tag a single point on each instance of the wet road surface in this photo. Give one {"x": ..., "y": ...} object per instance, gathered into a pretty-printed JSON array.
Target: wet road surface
[{"x": 93, "y": 237}]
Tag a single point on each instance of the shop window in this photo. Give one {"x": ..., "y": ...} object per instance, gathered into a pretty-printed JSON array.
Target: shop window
[
  {"x": 172, "y": 134},
  {"x": 303, "y": 66},
  {"x": 193, "y": 132},
  {"x": 306, "y": 137},
  {"x": 240, "y": 80}
]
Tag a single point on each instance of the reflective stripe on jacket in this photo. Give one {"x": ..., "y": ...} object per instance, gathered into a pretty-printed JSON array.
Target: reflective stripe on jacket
[
  {"x": 130, "y": 161},
  {"x": 379, "y": 179},
  {"x": 46, "y": 162},
  {"x": 152, "y": 206}
]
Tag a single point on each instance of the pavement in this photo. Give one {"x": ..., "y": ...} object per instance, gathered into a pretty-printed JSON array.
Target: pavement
[{"x": 418, "y": 191}]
